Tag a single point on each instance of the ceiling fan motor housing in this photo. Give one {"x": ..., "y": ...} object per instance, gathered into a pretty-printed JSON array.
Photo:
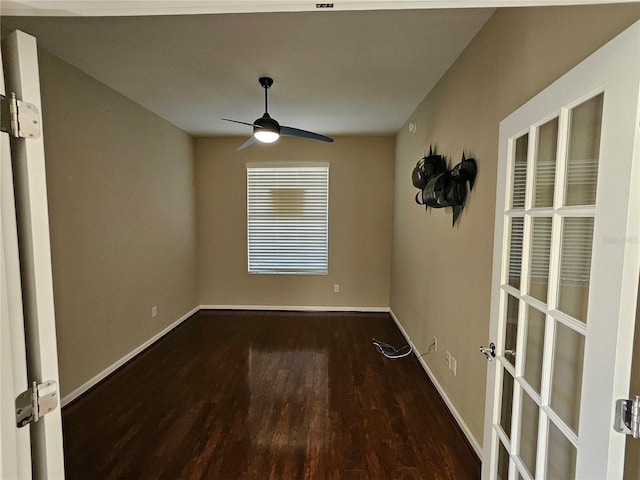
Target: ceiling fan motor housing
[{"x": 267, "y": 123}]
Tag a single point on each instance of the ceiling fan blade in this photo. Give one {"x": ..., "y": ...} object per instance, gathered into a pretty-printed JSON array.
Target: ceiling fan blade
[
  {"x": 238, "y": 121},
  {"x": 296, "y": 132},
  {"x": 249, "y": 141}
]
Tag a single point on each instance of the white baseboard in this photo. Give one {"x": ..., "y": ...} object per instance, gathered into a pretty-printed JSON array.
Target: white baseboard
[
  {"x": 463, "y": 426},
  {"x": 296, "y": 308},
  {"x": 112, "y": 368}
]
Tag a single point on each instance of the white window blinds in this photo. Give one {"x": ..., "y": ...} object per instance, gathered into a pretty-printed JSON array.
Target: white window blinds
[{"x": 287, "y": 218}]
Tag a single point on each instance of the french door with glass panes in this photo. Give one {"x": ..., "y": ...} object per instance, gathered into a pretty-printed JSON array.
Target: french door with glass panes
[{"x": 565, "y": 274}]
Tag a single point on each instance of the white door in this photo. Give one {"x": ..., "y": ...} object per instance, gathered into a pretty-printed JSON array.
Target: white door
[
  {"x": 565, "y": 273},
  {"x": 44, "y": 457},
  {"x": 14, "y": 442}
]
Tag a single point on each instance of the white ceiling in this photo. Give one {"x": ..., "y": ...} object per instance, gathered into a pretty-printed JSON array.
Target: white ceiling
[{"x": 335, "y": 72}]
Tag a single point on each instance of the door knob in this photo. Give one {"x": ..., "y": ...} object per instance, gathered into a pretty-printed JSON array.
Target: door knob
[{"x": 489, "y": 352}]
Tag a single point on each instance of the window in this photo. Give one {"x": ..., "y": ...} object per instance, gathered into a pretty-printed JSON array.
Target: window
[{"x": 287, "y": 218}]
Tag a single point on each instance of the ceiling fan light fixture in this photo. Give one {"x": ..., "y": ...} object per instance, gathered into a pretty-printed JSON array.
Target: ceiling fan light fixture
[
  {"x": 266, "y": 136},
  {"x": 266, "y": 129}
]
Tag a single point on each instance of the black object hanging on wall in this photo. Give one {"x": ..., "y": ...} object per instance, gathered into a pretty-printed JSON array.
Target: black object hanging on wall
[{"x": 440, "y": 187}]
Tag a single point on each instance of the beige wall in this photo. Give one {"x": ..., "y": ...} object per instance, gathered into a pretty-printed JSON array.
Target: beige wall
[
  {"x": 360, "y": 208},
  {"x": 441, "y": 275},
  {"x": 122, "y": 216}
]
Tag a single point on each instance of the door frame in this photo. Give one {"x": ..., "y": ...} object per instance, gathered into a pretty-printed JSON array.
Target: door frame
[
  {"x": 21, "y": 74},
  {"x": 15, "y": 447}
]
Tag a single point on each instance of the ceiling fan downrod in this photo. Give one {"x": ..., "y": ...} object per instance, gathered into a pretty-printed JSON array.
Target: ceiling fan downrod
[{"x": 266, "y": 83}]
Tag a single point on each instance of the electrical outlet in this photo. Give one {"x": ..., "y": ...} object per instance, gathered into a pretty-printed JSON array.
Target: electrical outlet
[
  {"x": 336, "y": 288},
  {"x": 435, "y": 344},
  {"x": 154, "y": 311},
  {"x": 448, "y": 360},
  {"x": 454, "y": 365}
]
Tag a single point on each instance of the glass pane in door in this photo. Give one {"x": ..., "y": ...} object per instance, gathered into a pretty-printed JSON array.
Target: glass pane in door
[
  {"x": 561, "y": 456},
  {"x": 506, "y": 405},
  {"x": 540, "y": 254},
  {"x": 511, "y": 326},
  {"x": 529, "y": 433},
  {"x": 575, "y": 269},
  {"x": 546, "y": 164},
  {"x": 534, "y": 348},
  {"x": 584, "y": 153},
  {"x": 520, "y": 172},
  {"x": 515, "y": 251},
  {"x": 503, "y": 463},
  {"x": 567, "y": 375}
]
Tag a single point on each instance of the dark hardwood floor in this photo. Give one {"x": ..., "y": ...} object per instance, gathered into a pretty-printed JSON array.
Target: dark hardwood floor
[{"x": 267, "y": 395}]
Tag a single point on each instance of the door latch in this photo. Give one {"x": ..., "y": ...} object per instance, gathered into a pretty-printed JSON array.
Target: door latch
[
  {"x": 19, "y": 119},
  {"x": 627, "y": 419},
  {"x": 36, "y": 402},
  {"x": 489, "y": 352}
]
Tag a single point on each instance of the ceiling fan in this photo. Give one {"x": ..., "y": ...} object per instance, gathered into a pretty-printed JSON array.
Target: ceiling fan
[{"x": 267, "y": 130}]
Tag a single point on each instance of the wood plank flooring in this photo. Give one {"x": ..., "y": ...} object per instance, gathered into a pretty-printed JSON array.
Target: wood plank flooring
[{"x": 267, "y": 395}]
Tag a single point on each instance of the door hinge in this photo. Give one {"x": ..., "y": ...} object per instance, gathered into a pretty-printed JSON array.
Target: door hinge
[
  {"x": 19, "y": 119},
  {"x": 36, "y": 402},
  {"x": 627, "y": 419}
]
